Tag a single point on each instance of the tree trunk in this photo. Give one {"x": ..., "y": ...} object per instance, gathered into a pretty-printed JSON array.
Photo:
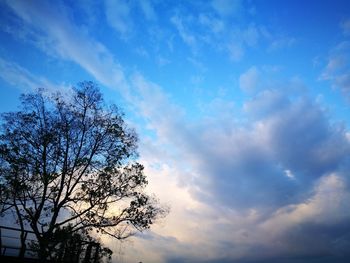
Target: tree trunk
[
  {"x": 23, "y": 243},
  {"x": 43, "y": 252},
  {"x": 97, "y": 251},
  {"x": 88, "y": 251}
]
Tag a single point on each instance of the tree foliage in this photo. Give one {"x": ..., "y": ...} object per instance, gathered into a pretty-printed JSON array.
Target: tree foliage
[{"x": 68, "y": 163}]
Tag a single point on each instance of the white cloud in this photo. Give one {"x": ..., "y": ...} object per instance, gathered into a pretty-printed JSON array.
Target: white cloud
[
  {"x": 265, "y": 103},
  {"x": 240, "y": 40},
  {"x": 289, "y": 174},
  {"x": 335, "y": 63},
  {"x": 162, "y": 61},
  {"x": 197, "y": 64},
  {"x": 17, "y": 76},
  {"x": 345, "y": 26},
  {"x": 69, "y": 42},
  {"x": 148, "y": 9},
  {"x": 264, "y": 77},
  {"x": 186, "y": 36},
  {"x": 251, "y": 35},
  {"x": 337, "y": 70},
  {"x": 249, "y": 80},
  {"x": 227, "y": 7},
  {"x": 275, "y": 41},
  {"x": 281, "y": 43},
  {"x": 21, "y": 78},
  {"x": 236, "y": 51},
  {"x": 227, "y": 170},
  {"x": 215, "y": 25},
  {"x": 117, "y": 13}
]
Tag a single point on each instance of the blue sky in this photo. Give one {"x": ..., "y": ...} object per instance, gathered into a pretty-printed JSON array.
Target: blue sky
[{"x": 242, "y": 108}]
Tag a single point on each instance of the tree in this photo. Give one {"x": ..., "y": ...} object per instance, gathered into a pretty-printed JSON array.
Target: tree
[{"x": 68, "y": 165}]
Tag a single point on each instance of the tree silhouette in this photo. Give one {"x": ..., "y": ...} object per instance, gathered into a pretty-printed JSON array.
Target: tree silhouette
[{"x": 68, "y": 165}]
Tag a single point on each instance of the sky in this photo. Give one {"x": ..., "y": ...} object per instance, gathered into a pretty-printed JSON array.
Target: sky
[{"x": 242, "y": 110}]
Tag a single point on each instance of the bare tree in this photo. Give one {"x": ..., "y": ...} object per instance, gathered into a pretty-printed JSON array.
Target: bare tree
[{"x": 68, "y": 163}]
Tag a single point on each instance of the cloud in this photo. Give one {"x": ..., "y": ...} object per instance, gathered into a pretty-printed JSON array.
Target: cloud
[
  {"x": 215, "y": 25},
  {"x": 17, "y": 76},
  {"x": 236, "y": 51},
  {"x": 281, "y": 43},
  {"x": 264, "y": 77},
  {"x": 249, "y": 80},
  {"x": 237, "y": 183},
  {"x": 337, "y": 70},
  {"x": 244, "y": 169},
  {"x": 61, "y": 37},
  {"x": 345, "y": 26},
  {"x": 227, "y": 7},
  {"x": 23, "y": 79},
  {"x": 216, "y": 29},
  {"x": 251, "y": 35},
  {"x": 317, "y": 227},
  {"x": 148, "y": 10},
  {"x": 185, "y": 35},
  {"x": 227, "y": 176},
  {"x": 328, "y": 205},
  {"x": 241, "y": 39},
  {"x": 265, "y": 103},
  {"x": 276, "y": 40},
  {"x": 118, "y": 15}
]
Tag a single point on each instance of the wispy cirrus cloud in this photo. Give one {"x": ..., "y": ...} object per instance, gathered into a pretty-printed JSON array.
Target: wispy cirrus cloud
[
  {"x": 215, "y": 25},
  {"x": 21, "y": 78},
  {"x": 227, "y": 7},
  {"x": 61, "y": 37},
  {"x": 281, "y": 43},
  {"x": 187, "y": 36},
  {"x": 118, "y": 16},
  {"x": 345, "y": 26},
  {"x": 148, "y": 10},
  {"x": 337, "y": 70},
  {"x": 249, "y": 80},
  {"x": 337, "y": 66}
]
